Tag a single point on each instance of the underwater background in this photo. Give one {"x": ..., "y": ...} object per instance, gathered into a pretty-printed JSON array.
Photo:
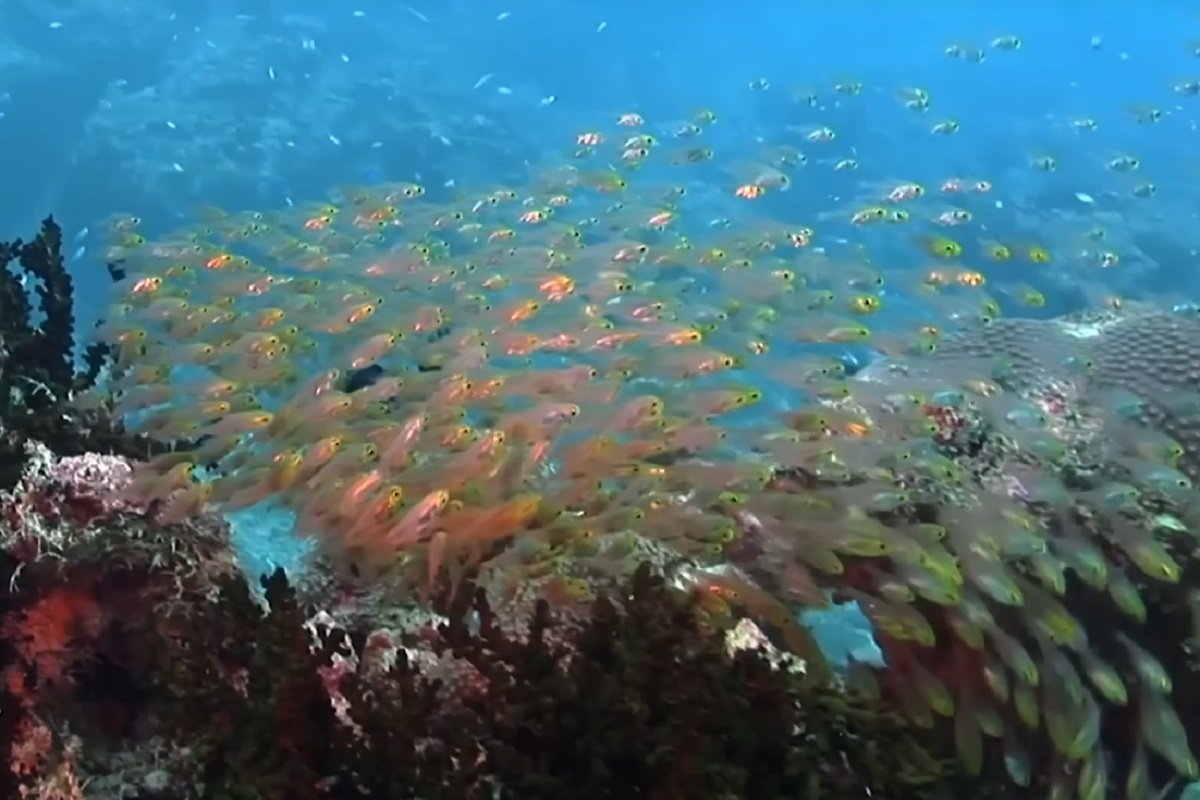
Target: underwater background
[
  {"x": 1064, "y": 133},
  {"x": 161, "y": 110}
]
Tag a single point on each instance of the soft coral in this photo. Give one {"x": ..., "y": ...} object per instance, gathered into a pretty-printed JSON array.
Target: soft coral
[{"x": 50, "y": 635}]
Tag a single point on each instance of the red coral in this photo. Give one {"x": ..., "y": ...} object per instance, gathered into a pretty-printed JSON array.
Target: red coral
[
  {"x": 52, "y": 633},
  {"x": 949, "y": 421}
]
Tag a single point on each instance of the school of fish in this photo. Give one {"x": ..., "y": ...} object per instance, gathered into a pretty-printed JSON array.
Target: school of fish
[{"x": 520, "y": 380}]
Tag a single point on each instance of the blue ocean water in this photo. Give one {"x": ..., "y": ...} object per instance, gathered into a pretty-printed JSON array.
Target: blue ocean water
[{"x": 159, "y": 109}]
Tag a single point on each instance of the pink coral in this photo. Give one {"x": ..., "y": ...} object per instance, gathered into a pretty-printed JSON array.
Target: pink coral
[
  {"x": 91, "y": 477},
  {"x": 59, "y": 499},
  {"x": 55, "y": 770},
  {"x": 31, "y": 747},
  {"x": 331, "y": 678}
]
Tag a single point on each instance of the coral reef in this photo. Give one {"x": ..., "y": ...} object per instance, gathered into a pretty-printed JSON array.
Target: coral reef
[
  {"x": 38, "y": 376},
  {"x": 249, "y": 700},
  {"x": 1150, "y": 352},
  {"x": 84, "y": 568},
  {"x": 1070, "y": 611},
  {"x": 981, "y": 552},
  {"x": 137, "y": 660},
  {"x": 99, "y": 693},
  {"x": 988, "y": 497}
]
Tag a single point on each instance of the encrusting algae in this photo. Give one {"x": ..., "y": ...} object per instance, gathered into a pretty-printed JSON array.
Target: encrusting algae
[{"x": 535, "y": 384}]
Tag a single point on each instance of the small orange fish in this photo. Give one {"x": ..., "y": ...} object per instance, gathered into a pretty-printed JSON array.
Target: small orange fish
[
  {"x": 396, "y": 453},
  {"x": 358, "y": 489},
  {"x": 417, "y": 521},
  {"x": 638, "y": 414},
  {"x": 373, "y": 349},
  {"x": 183, "y": 504}
]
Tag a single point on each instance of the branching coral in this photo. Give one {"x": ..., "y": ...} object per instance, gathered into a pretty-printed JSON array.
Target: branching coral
[
  {"x": 251, "y": 678},
  {"x": 650, "y": 703},
  {"x": 38, "y": 376},
  {"x": 641, "y": 702},
  {"x": 226, "y": 696},
  {"x": 39, "y": 365}
]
